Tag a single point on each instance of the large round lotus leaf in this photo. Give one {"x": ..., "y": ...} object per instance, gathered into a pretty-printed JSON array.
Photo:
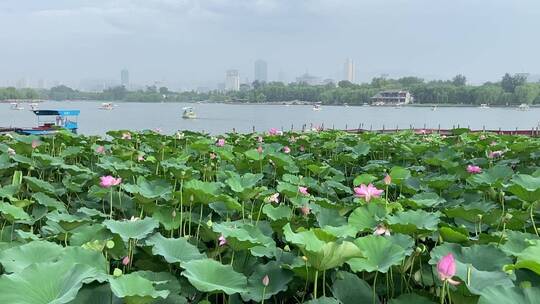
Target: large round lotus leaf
[
  {"x": 79, "y": 255},
  {"x": 453, "y": 235},
  {"x": 46, "y": 283},
  {"x": 526, "y": 187},
  {"x": 427, "y": 199},
  {"x": 412, "y": 220},
  {"x": 48, "y": 201},
  {"x": 88, "y": 233},
  {"x": 243, "y": 236},
  {"x": 310, "y": 240},
  {"x": 96, "y": 293},
  {"x": 128, "y": 229},
  {"x": 492, "y": 177},
  {"x": 281, "y": 212},
  {"x": 153, "y": 189},
  {"x": 509, "y": 295},
  {"x": 165, "y": 281},
  {"x": 200, "y": 192},
  {"x": 247, "y": 181},
  {"x": 13, "y": 213},
  {"x": 348, "y": 288},
  {"x": 479, "y": 266},
  {"x": 410, "y": 298},
  {"x": 209, "y": 275},
  {"x": 39, "y": 185},
  {"x": 17, "y": 258},
  {"x": 367, "y": 217},
  {"x": 378, "y": 254},
  {"x": 332, "y": 254},
  {"x": 529, "y": 258},
  {"x": 134, "y": 287},
  {"x": 517, "y": 241},
  {"x": 399, "y": 175},
  {"x": 364, "y": 179},
  {"x": 174, "y": 250},
  {"x": 167, "y": 216},
  {"x": 278, "y": 281},
  {"x": 323, "y": 300}
]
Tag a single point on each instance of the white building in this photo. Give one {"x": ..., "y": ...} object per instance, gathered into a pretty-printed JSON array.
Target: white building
[
  {"x": 232, "y": 80},
  {"x": 349, "y": 71}
]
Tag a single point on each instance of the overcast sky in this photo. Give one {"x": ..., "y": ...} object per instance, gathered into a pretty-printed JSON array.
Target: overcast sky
[{"x": 190, "y": 43}]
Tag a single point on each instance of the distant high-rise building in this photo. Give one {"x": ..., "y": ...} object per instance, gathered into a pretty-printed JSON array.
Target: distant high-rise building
[
  {"x": 349, "y": 71},
  {"x": 261, "y": 71},
  {"x": 232, "y": 80},
  {"x": 124, "y": 78}
]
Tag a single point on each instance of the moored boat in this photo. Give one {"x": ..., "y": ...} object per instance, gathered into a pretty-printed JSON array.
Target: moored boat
[{"x": 189, "y": 113}]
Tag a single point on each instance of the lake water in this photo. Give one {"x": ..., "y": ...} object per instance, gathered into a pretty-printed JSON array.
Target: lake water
[{"x": 221, "y": 118}]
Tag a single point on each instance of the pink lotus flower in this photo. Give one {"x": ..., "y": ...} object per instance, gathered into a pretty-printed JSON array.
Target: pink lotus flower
[
  {"x": 260, "y": 150},
  {"x": 273, "y": 131},
  {"x": 126, "y": 136},
  {"x": 266, "y": 281},
  {"x": 447, "y": 269},
  {"x": 303, "y": 190},
  {"x": 125, "y": 260},
  {"x": 381, "y": 230},
  {"x": 100, "y": 150},
  {"x": 222, "y": 241},
  {"x": 35, "y": 144},
  {"x": 495, "y": 154},
  {"x": 367, "y": 192},
  {"x": 305, "y": 210},
  {"x": 474, "y": 169},
  {"x": 286, "y": 150},
  {"x": 220, "y": 142},
  {"x": 109, "y": 181},
  {"x": 11, "y": 152},
  {"x": 274, "y": 198},
  {"x": 212, "y": 155},
  {"x": 387, "y": 179}
]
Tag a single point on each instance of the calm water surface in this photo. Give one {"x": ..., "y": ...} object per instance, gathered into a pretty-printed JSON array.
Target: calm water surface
[{"x": 221, "y": 118}]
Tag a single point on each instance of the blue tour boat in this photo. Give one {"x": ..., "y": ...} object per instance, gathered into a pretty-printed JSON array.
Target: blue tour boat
[{"x": 52, "y": 121}]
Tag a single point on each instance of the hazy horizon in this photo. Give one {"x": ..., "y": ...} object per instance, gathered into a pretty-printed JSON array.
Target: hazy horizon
[{"x": 188, "y": 43}]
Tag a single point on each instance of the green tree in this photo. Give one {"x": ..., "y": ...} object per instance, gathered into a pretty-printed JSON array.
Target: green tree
[{"x": 459, "y": 80}]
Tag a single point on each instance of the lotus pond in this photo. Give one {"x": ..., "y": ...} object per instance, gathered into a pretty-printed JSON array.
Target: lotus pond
[{"x": 317, "y": 217}]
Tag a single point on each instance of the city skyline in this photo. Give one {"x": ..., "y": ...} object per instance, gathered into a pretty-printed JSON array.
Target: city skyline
[{"x": 194, "y": 42}]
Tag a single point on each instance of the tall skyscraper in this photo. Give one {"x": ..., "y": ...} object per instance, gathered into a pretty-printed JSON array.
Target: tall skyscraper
[
  {"x": 232, "y": 80},
  {"x": 124, "y": 78},
  {"x": 261, "y": 71},
  {"x": 349, "y": 71}
]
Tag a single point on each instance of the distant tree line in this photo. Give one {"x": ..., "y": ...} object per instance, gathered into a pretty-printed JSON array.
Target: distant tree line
[{"x": 510, "y": 90}]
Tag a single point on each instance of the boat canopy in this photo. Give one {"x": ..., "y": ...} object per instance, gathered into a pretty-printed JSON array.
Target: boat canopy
[{"x": 57, "y": 112}]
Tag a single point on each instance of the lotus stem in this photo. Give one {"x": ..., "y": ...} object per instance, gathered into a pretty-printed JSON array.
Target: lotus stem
[
  {"x": 111, "y": 204},
  {"x": 263, "y": 294},
  {"x": 533, "y": 205},
  {"x": 443, "y": 290},
  {"x": 181, "y": 207},
  {"x": 324, "y": 283},
  {"x": 375, "y": 286},
  {"x": 315, "y": 284}
]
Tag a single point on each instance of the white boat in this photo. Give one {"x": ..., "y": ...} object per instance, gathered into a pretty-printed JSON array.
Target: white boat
[
  {"x": 316, "y": 107},
  {"x": 523, "y": 107},
  {"x": 434, "y": 108},
  {"x": 107, "y": 106},
  {"x": 16, "y": 106},
  {"x": 34, "y": 106},
  {"x": 365, "y": 104},
  {"x": 484, "y": 106},
  {"x": 189, "y": 113}
]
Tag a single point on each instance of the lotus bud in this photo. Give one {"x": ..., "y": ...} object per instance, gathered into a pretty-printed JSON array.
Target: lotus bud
[
  {"x": 479, "y": 216},
  {"x": 117, "y": 272},
  {"x": 417, "y": 276},
  {"x": 173, "y": 213},
  {"x": 110, "y": 244},
  {"x": 209, "y": 223},
  {"x": 126, "y": 260},
  {"x": 266, "y": 281},
  {"x": 387, "y": 179},
  {"x": 287, "y": 248},
  {"x": 304, "y": 258}
]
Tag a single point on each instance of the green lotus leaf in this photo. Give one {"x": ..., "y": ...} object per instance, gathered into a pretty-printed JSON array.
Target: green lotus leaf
[
  {"x": 529, "y": 258},
  {"x": 46, "y": 283},
  {"x": 410, "y": 298},
  {"x": 241, "y": 183},
  {"x": 399, "y": 175},
  {"x": 174, "y": 250},
  {"x": 48, "y": 201},
  {"x": 134, "y": 287},
  {"x": 509, "y": 295},
  {"x": 132, "y": 229},
  {"x": 309, "y": 240},
  {"x": 242, "y": 235},
  {"x": 493, "y": 177},
  {"x": 165, "y": 281},
  {"x": 453, "y": 235},
  {"x": 348, "y": 288},
  {"x": 281, "y": 212},
  {"x": 427, "y": 199},
  {"x": 479, "y": 266},
  {"x": 13, "y": 213},
  {"x": 378, "y": 254},
  {"x": 87, "y": 233},
  {"x": 412, "y": 220},
  {"x": 364, "y": 179},
  {"x": 201, "y": 192},
  {"x": 323, "y": 300},
  {"x": 40, "y": 186},
  {"x": 517, "y": 242},
  {"x": 441, "y": 181},
  {"x": 278, "y": 281},
  {"x": 209, "y": 276},
  {"x": 367, "y": 217},
  {"x": 167, "y": 216},
  {"x": 526, "y": 187},
  {"x": 17, "y": 258}
]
